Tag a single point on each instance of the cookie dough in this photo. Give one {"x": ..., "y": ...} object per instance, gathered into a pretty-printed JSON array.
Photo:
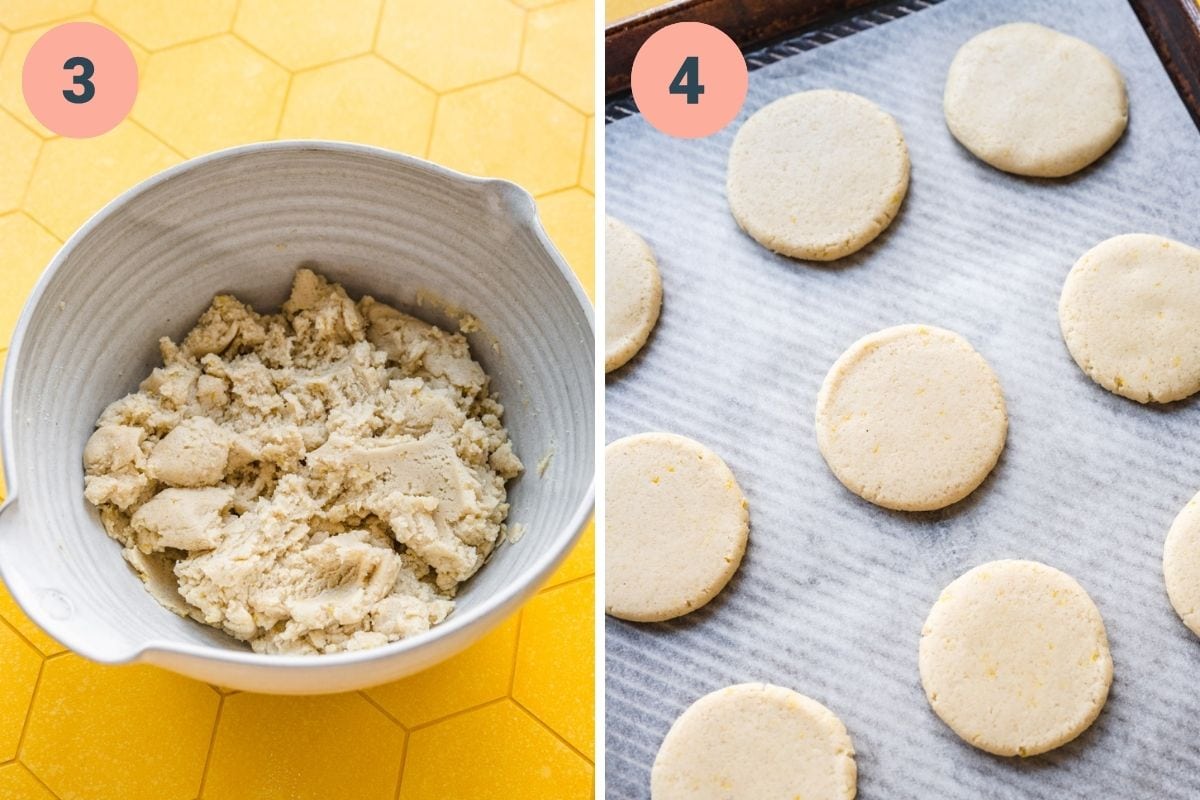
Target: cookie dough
[
  {"x": 1181, "y": 565},
  {"x": 1130, "y": 315},
  {"x": 817, "y": 175},
  {"x": 316, "y": 480},
  {"x": 755, "y": 741},
  {"x": 1030, "y": 100},
  {"x": 911, "y": 418},
  {"x": 1014, "y": 658},
  {"x": 632, "y": 293},
  {"x": 676, "y": 525}
]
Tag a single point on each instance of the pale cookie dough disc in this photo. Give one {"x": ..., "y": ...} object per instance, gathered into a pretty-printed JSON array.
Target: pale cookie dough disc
[
  {"x": 632, "y": 293},
  {"x": 911, "y": 418},
  {"x": 755, "y": 741},
  {"x": 817, "y": 175},
  {"x": 1014, "y": 658},
  {"x": 1130, "y": 314},
  {"x": 675, "y": 528},
  {"x": 1181, "y": 564},
  {"x": 1033, "y": 101}
]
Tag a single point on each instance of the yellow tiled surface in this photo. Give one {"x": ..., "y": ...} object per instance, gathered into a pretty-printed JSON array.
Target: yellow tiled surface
[
  {"x": 619, "y": 9},
  {"x": 496, "y": 87}
]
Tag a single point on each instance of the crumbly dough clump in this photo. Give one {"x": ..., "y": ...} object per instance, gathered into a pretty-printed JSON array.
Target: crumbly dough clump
[{"x": 312, "y": 481}]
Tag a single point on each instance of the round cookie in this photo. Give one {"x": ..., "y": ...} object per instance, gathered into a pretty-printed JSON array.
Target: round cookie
[
  {"x": 817, "y": 175},
  {"x": 1014, "y": 658},
  {"x": 911, "y": 418},
  {"x": 1030, "y": 100},
  {"x": 632, "y": 293},
  {"x": 754, "y": 741},
  {"x": 1181, "y": 565},
  {"x": 676, "y": 525},
  {"x": 1130, "y": 315}
]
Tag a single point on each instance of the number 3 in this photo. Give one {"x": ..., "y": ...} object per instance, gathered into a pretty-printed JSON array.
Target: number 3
[
  {"x": 687, "y": 80},
  {"x": 87, "y": 89}
]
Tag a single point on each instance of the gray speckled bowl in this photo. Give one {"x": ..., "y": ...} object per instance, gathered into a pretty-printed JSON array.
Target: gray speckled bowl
[{"x": 242, "y": 221}]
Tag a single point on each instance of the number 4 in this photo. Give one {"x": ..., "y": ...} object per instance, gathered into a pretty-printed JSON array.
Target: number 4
[{"x": 687, "y": 80}]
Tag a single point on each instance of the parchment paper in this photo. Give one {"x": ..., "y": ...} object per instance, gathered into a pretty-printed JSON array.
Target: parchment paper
[{"x": 833, "y": 591}]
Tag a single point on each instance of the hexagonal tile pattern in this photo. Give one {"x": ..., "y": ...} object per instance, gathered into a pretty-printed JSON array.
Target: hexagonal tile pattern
[
  {"x": 176, "y": 99},
  {"x": 555, "y": 672},
  {"x": 510, "y": 753},
  {"x": 13, "y": 58},
  {"x": 75, "y": 177},
  {"x": 19, "y": 664},
  {"x": 14, "y": 15},
  {"x": 360, "y": 100},
  {"x": 304, "y": 748},
  {"x": 471, "y": 83},
  {"x": 16, "y": 160},
  {"x": 450, "y": 45},
  {"x": 559, "y": 51},
  {"x": 118, "y": 732},
  {"x": 563, "y": 213},
  {"x": 155, "y": 24},
  {"x": 14, "y": 616},
  {"x": 528, "y": 120},
  {"x": 17, "y": 783},
  {"x": 304, "y": 33},
  {"x": 480, "y": 673},
  {"x": 27, "y": 248}
]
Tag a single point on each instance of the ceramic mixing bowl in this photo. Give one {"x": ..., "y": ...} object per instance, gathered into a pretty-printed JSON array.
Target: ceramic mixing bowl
[{"x": 423, "y": 238}]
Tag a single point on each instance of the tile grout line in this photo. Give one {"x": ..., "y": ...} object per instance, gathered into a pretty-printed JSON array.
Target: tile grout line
[
  {"x": 212, "y": 745},
  {"x": 37, "y": 157},
  {"x": 587, "y": 120},
  {"x": 458, "y": 713},
  {"x": 555, "y": 94},
  {"x": 37, "y": 778},
  {"x": 157, "y": 138},
  {"x": 403, "y": 763},
  {"x": 254, "y": 47},
  {"x": 37, "y": 682},
  {"x": 17, "y": 631},
  {"x": 512, "y": 673},
  {"x": 437, "y": 104},
  {"x": 553, "y": 732},
  {"x": 41, "y": 225},
  {"x": 287, "y": 93},
  {"x": 548, "y": 589},
  {"x": 363, "y": 694},
  {"x": 176, "y": 45},
  {"x": 378, "y": 28},
  {"x": 525, "y": 15}
]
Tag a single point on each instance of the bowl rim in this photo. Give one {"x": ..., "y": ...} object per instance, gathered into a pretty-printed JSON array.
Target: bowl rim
[{"x": 517, "y": 590}]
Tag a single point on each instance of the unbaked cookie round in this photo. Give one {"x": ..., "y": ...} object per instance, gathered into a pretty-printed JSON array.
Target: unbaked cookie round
[
  {"x": 911, "y": 418},
  {"x": 817, "y": 175},
  {"x": 676, "y": 525},
  {"x": 1014, "y": 658},
  {"x": 755, "y": 741},
  {"x": 1030, "y": 100},
  {"x": 1130, "y": 314},
  {"x": 1181, "y": 565},
  {"x": 632, "y": 293}
]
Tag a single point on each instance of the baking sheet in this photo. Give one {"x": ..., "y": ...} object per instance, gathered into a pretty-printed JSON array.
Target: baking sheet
[{"x": 833, "y": 591}]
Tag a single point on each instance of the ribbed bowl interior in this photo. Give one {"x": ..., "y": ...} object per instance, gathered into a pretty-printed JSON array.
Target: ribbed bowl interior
[{"x": 397, "y": 228}]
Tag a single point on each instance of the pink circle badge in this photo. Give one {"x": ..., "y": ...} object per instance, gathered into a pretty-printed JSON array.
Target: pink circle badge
[
  {"x": 689, "y": 80},
  {"x": 79, "y": 79}
]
